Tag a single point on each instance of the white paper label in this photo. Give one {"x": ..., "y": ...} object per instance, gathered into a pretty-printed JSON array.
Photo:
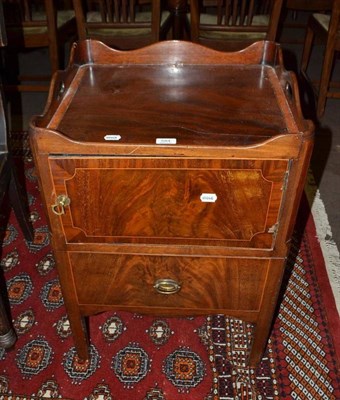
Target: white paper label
[
  {"x": 208, "y": 197},
  {"x": 166, "y": 141},
  {"x": 112, "y": 137}
]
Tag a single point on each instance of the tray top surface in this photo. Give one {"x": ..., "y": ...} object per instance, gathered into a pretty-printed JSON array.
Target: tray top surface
[{"x": 241, "y": 104}]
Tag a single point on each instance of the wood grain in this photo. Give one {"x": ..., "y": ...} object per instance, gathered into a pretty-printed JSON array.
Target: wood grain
[
  {"x": 136, "y": 215},
  {"x": 215, "y": 283},
  {"x": 152, "y": 200}
]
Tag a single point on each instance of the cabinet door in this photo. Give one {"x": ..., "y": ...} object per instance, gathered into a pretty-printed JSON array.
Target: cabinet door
[{"x": 179, "y": 201}]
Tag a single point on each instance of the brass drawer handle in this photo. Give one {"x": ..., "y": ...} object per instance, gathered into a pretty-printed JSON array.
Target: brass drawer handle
[
  {"x": 61, "y": 202},
  {"x": 167, "y": 286}
]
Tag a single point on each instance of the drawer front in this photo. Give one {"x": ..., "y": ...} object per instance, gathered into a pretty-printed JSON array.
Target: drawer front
[
  {"x": 200, "y": 202},
  {"x": 204, "y": 283}
]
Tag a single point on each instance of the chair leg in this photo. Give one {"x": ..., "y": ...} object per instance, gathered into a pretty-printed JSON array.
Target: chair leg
[
  {"x": 54, "y": 58},
  {"x": 18, "y": 201},
  {"x": 307, "y": 48},
  {"x": 325, "y": 80},
  {"x": 7, "y": 334}
]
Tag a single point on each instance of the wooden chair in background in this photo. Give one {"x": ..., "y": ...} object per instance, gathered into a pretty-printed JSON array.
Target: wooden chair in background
[
  {"x": 308, "y": 5},
  {"x": 324, "y": 28},
  {"x": 233, "y": 24},
  {"x": 9, "y": 184},
  {"x": 295, "y": 15},
  {"x": 122, "y": 24},
  {"x": 33, "y": 24}
]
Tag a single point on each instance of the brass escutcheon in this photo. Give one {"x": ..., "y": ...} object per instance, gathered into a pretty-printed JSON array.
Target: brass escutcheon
[{"x": 61, "y": 202}]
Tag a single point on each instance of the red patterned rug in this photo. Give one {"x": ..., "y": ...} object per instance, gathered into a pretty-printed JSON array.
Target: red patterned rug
[{"x": 146, "y": 358}]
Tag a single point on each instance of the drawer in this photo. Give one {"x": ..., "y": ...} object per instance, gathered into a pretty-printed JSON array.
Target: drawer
[{"x": 206, "y": 283}]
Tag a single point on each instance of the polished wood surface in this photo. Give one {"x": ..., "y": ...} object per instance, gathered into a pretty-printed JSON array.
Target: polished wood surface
[
  {"x": 159, "y": 200},
  {"x": 208, "y": 216},
  {"x": 157, "y": 92},
  {"x": 130, "y": 279},
  {"x": 174, "y": 108}
]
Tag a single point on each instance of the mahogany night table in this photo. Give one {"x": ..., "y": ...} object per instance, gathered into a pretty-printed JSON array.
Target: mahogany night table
[{"x": 171, "y": 176}]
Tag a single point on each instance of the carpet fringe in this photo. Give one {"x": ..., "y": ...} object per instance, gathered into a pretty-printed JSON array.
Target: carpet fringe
[{"x": 324, "y": 235}]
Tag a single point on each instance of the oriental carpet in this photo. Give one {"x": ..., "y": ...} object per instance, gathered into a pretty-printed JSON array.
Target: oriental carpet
[{"x": 136, "y": 357}]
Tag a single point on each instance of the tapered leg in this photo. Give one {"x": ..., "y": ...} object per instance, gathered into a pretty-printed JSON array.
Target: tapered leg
[
  {"x": 265, "y": 320},
  {"x": 79, "y": 333},
  {"x": 77, "y": 321}
]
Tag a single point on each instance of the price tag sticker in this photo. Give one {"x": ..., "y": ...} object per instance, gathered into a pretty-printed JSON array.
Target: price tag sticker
[
  {"x": 208, "y": 197},
  {"x": 112, "y": 137},
  {"x": 166, "y": 141}
]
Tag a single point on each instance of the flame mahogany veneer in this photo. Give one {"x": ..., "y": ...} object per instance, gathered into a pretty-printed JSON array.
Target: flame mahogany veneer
[{"x": 171, "y": 176}]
